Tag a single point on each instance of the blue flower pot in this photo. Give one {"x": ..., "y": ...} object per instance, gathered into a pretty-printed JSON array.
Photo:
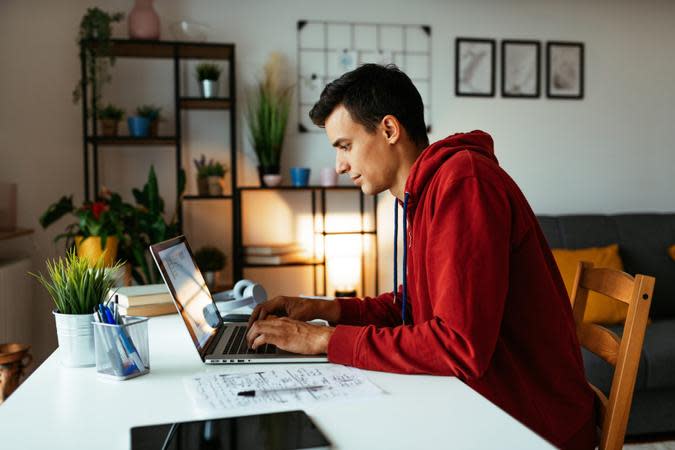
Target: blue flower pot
[
  {"x": 300, "y": 176},
  {"x": 138, "y": 126}
]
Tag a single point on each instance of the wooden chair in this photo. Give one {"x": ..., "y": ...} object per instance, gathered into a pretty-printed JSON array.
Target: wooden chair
[{"x": 623, "y": 353}]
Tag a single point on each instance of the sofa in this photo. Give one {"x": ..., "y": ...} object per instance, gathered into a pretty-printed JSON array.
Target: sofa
[{"x": 644, "y": 240}]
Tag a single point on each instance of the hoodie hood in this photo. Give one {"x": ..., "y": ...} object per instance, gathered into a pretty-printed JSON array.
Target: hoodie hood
[{"x": 436, "y": 154}]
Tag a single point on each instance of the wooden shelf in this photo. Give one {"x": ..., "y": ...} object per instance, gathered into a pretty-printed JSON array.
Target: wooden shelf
[
  {"x": 207, "y": 197},
  {"x": 303, "y": 188},
  {"x": 294, "y": 264},
  {"x": 133, "y": 141},
  {"x": 6, "y": 235},
  {"x": 205, "y": 103},
  {"x": 134, "y": 48}
]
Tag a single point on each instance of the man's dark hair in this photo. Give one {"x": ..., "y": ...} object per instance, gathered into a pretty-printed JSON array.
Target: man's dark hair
[{"x": 369, "y": 93}]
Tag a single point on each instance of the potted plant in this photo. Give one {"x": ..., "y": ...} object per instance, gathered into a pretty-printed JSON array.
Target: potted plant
[
  {"x": 153, "y": 114},
  {"x": 109, "y": 117},
  {"x": 139, "y": 126},
  {"x": 98, "y": 229},
  {"x": 95, "y": 46},
  {"x": 208, "y": 75},
  {"x": 268, "y": 108},
  {"x": 146, "y": 225},
  {"x": 210, "y": 261},
  {"x": 76, "y": 287},
  {"x": 210, "y": 176}
]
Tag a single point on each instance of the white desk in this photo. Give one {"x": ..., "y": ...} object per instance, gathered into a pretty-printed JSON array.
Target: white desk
[{"x": 60, "y": 408}]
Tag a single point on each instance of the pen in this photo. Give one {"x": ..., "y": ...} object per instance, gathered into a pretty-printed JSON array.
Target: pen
[{"x": 253, "y": 393}]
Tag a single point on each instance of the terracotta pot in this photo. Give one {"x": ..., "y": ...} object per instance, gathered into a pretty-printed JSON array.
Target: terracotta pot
[
  {"x": 202, "y": 186},
  {"x": 109, "y": 127},
  {"x": 143, "y": 21},
  {"x": 14, "y": 358},
  {"x": 154, "y": 128},
  {"x": 90, "y": 248}
]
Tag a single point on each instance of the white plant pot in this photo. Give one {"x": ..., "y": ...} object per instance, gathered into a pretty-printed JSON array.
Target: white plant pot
[
  {"x": 209, "y": 88},
  {"x": 210, "y": 278},
  {"x": 76, "y": 339}
]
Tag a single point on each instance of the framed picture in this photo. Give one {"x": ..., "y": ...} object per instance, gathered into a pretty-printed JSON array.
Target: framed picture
[
  {"x": 565, "y": 70},
  {"x": 521, "y": 61},
  {"x": 475, "y": 67}
]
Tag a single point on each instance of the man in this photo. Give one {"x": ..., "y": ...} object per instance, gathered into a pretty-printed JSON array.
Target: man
[{"x": 482, "y": 298}]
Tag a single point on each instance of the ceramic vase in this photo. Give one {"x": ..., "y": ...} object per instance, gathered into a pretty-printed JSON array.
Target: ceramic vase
[{"x": 143, "y": 21}]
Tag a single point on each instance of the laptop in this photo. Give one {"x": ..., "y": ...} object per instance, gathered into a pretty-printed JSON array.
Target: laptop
[{"x": 217, "y": 342}]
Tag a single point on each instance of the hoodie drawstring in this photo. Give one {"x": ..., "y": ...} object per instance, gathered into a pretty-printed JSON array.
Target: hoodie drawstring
[{"x": 405, "y": 255}]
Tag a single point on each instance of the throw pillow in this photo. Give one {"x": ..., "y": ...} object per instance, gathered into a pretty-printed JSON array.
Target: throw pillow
[{"x": 599, "y": 308}]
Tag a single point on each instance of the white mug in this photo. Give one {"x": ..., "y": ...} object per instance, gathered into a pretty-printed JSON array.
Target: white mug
[{"x": 328, "y": 176}]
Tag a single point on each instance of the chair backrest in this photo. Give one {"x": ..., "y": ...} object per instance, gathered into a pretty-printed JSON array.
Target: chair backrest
[{"x": 623, "y": 353}]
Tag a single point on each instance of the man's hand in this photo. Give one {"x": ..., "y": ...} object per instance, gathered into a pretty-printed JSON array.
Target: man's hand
[
  {"x": 297, "y": 308},
  {"x": 290, "y": 335}
]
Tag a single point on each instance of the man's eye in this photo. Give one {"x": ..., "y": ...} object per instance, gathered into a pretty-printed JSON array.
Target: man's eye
[{"x": 345, "y": 147}]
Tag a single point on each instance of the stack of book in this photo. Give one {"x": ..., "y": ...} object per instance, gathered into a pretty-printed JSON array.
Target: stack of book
[
  {"x": 149, "y": 300},
  {"x": 275, "y": 254}
]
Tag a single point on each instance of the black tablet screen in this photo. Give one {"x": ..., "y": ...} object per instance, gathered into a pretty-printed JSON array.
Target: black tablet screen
[{"x": 283, "y": 431}]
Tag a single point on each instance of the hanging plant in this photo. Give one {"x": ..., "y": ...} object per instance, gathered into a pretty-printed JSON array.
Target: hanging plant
[{"x": 96, "y": 30}]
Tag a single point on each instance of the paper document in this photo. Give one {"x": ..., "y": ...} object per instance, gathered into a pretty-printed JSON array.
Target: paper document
[{"x": 279, "y": 386}]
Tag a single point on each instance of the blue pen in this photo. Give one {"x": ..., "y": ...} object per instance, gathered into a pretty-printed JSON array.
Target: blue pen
[{"x": 126, "y": 342}]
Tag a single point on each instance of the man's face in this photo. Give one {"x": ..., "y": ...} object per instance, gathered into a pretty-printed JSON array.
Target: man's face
[{"x": 366, "y": 157}]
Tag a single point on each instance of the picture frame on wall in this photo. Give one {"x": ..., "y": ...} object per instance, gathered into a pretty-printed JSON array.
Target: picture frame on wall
[
  {"x": 475, "y": 61},
  {"x": 565, "y": 70},
  {"x": 520, "y": 68}
]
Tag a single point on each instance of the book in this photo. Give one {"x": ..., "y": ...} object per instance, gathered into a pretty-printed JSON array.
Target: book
[
  {"x": 150, "y": 294},
  {"x": 278, "y": 259},
  {"x": 159, "y": 309},
  {"x": 272, "y": 249}
]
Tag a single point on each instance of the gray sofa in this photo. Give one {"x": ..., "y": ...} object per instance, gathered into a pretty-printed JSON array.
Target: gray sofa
[{"x": 643, "y": 244}]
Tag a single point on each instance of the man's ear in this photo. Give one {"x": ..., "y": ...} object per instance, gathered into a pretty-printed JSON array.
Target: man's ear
[{"x": 391, "y": 128}]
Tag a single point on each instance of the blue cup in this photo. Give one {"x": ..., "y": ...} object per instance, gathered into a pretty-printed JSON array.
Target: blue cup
[
  {"x": 138, "y": 126},
  {"x": 300, "y": 176}
]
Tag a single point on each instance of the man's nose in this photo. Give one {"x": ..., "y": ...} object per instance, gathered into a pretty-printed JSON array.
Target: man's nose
[{"x": 341, "y": 165}]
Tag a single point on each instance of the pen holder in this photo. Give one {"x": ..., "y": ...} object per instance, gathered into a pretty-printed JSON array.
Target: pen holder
[{"x": 122, "y": 351}]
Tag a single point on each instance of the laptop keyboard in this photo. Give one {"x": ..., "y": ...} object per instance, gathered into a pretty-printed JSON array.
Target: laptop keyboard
[{"x": 236, "y": 345}]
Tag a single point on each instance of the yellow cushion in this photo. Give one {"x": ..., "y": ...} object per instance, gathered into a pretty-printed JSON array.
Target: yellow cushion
[
  {"x": 599, "y": 308},
  {"x": 671, "y": 252}
]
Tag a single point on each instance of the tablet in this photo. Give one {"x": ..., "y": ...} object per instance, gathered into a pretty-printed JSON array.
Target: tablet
[{"x": 292, "y": 430}]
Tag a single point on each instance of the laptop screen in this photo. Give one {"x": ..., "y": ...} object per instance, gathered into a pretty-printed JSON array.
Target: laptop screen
[{"x": 188, "y": 287}]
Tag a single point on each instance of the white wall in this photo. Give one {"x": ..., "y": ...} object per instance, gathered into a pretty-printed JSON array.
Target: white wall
[{"x": 611, "y": 152}]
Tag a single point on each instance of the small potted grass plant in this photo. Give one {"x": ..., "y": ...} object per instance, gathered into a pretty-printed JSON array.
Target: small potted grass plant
[
  {"x": 153, "y": 114},
  {"x": 76, "y": 289},
  {"x": 210, "y": 176},
  {"x": 210, "y": 261},
  {"x": 208, "y": 75},
  {"x": 109, "y": 117}
]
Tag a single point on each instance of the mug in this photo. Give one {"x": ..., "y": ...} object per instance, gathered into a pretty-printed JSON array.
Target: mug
[
  {"x": 329, "y": 177},
  {"x": 14, "y": 358},
  {"x": 299, "y": 176}
]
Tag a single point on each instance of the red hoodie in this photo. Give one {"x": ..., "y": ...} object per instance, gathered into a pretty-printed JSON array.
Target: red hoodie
[{"x": 485, "y": 296}]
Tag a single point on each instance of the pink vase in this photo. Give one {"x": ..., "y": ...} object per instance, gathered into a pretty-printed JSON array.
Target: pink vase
[{"x": 143, "y": 21}]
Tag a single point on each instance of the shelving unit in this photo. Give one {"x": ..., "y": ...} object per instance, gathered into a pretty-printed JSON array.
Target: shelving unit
[
  {"x": 319, "y": 210},
  {"x": 177, "y": 52}
]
